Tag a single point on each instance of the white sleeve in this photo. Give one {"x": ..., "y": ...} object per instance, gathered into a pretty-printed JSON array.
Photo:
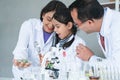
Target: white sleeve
[
  {"x": 114, "y": 46},
  {"x": 115, "y": 43},
  {"x": 20, "y": 52}
]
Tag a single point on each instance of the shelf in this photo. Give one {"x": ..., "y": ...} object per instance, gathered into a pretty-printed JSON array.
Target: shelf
[
  {"x": 109, "y": 4},
  {"x": 112, "y": 4}
]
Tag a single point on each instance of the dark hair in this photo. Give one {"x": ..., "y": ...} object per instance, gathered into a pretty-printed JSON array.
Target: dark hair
[
  {"x": 87, "y": 9},
  {"x": 63, "y": 16},
  {"x": 52, "y": 6}
]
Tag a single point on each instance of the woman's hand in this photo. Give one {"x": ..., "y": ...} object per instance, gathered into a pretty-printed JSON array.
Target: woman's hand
[{"x": 21, "y": 63}]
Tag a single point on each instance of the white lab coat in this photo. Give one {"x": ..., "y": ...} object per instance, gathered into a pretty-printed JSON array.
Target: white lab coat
[
  {"x": 73, "y": 64},
  {"x": 69, "y": 62},
  {"x": 31, "y": 31},
  {"x": 111, "y": 32}
]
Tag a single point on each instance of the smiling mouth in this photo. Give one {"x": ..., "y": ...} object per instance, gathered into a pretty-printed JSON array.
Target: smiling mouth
[{"x": 50, "y": 28}]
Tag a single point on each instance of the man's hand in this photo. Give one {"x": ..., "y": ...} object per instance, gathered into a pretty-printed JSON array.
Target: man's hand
[{"x": 83, "y": 52}]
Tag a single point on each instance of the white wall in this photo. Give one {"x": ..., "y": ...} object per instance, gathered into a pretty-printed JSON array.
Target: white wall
[{"x": 12, "y": 14}]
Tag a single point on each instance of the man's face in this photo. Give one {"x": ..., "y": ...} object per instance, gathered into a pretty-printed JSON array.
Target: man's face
[
  {"x": 74, "y": 15},
  {"x": 83, "y": 26}
]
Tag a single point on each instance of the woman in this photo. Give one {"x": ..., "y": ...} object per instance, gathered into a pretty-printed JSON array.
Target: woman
[{"x": 35, "y": 39}]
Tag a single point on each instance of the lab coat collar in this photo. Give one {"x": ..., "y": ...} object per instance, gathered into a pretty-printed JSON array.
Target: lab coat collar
[{"x": 107, "y": 19}]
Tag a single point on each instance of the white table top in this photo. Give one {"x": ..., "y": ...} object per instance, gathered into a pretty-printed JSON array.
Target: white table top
[{"x": 3, "y": 78}]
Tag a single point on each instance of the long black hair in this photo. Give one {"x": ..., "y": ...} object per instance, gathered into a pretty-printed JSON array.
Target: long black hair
[{"x": 63, "y": 16}]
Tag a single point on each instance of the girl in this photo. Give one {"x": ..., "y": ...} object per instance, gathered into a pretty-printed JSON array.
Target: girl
[{"x": 63, "y": 58}]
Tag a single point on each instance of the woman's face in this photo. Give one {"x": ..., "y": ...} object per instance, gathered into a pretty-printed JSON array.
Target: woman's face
[
  {"x": 61, "y": 29},
  {"x": 47, "y": 22}
]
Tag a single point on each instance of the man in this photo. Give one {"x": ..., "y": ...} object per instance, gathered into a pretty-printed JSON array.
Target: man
[{"x": 91, "y": 17}]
